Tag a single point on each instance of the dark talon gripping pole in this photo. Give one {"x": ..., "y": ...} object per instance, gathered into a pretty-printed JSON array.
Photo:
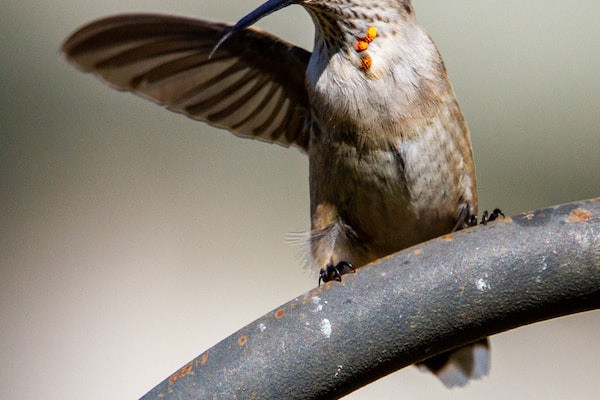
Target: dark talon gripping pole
[{"x": 334, "y": 272}]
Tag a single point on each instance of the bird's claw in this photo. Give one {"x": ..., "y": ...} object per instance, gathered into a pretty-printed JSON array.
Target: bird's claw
[
  {"x": 485, "y": 217},
  {"x": 334, "y": 272}
]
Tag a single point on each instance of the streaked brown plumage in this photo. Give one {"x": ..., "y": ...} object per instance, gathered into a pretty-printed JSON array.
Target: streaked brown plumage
[{"x": 389, "y": 151}]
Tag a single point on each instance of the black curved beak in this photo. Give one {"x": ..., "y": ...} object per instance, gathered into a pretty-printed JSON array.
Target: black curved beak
[{"x": 262, "y": 11}]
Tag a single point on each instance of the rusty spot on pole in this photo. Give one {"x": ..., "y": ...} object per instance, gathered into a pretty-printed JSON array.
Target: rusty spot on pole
[
  {"x": 204, "y": 358},
  {"x": 279, "y": 313},
  {"x": 185, "y": 370},
  {"x": 579, "y": 215}
]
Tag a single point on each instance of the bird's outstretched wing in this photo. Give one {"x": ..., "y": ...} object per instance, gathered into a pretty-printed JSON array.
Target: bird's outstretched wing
[{"x": 252, "y": 85}]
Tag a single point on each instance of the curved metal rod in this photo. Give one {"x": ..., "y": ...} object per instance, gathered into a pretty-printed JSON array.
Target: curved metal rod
[{"x": 405, "y": 308}]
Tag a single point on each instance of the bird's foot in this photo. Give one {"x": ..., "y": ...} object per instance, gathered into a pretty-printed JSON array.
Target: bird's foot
[
  {"x": 334, "y": 272},
  {"x": 486, "y": 217}
]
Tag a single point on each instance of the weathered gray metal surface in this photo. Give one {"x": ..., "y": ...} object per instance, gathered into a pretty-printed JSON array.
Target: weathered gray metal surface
[{"x": 405, "y": 308}]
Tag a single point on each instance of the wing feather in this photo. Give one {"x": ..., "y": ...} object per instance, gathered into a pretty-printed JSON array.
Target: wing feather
[{"x": 253, "y": 85}]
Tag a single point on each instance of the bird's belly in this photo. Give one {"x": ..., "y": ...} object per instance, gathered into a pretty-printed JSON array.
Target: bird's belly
[{"x": 370, "y": 193}]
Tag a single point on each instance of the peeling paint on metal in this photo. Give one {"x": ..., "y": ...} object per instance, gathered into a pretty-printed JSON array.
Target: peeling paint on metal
[
  {"x": 317, "y": 300},
  {"x": 482, "y": 285},
  {"x": 544, "y": 266},
  {"x": 326, "y": 327},
  {"x": 338, "y": 370}
]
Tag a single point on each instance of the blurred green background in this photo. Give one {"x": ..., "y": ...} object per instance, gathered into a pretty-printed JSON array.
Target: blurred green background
[{"x": 133, "y": 239}]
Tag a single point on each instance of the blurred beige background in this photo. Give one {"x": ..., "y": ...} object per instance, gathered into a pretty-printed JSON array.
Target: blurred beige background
[{"x": 132, "y": 239}]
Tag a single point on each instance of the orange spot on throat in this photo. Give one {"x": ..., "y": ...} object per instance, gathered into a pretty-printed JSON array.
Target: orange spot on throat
[
  {"x": 371, "y": 34},
  {"x": 366, "y": 62},
  {"x": 361, "y": 45}
]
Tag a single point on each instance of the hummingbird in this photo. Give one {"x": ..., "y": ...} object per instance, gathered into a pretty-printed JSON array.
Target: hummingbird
[{"x": 390, "y": 157}]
